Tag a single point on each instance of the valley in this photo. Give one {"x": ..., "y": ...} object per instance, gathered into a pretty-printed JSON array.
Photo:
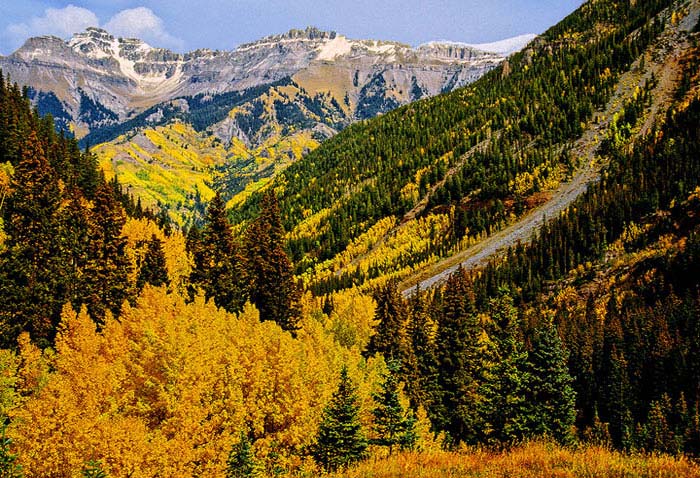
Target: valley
[{"x": 315, "y": 256}]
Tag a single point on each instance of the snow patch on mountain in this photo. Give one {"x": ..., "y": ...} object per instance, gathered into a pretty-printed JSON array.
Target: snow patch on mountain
[
  {"x": 332, "y": 49},
  {"x": 502, "y": 47}
]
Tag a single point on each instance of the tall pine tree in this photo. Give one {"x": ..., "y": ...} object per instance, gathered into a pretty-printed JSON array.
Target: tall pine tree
[
  {"x": 458, "y": 355},
  {"x": 30, "y": 281},
  {"x": 241, "y": 459},
  {"x": 106, "y": 280},
  {"x": 153, "y": 269},
  {"x": 505, "y": 380},
  {"x": 218, "y": 264},
  {"x": 551, "y": 398},
  {"x": 274, "y": 290},
  {"x": 341, "y": 440},
  {"x": 391, "y": 315},
  {"x": 393, "y": 426},
  {"x": 422, "y": 379}
]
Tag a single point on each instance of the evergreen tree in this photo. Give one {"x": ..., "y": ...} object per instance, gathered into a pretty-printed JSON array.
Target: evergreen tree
[
  {"x": 163, "y": 221},
  {"x": 153, "y": 270},
  {"x": 106, "y": 280},
  {"x": 274, "y": 290},
  {"x": 87, "y": 172},
  {"x": 551, "y": 399},
  {"x": 218, "y": 264},
  {"x": 692, "y": 432},
  {"x": 422, "y": 379},
  {"x": 30, "y": 280},
  {"x": 391, "y": 315},
  {"x": 9, "y": 468},
  {"x": 505, "y": 378},
  {"x": 659, "y": 431},
  {"x": 241, "y": 459},
  {"x": 392, "y": 424},
  {"x": 456, "y": 410},
  {"x": 340, "y": 440},
  {"x": 74, "y": 239},
  {"x": 615, "y": 387},
  {"x": 93, "y": 469}
]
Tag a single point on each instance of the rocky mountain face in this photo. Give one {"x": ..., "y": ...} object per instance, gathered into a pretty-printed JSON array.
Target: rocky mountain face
[
  {"x": 95, "y": 79},
  {"x": 174, "y": 128}
]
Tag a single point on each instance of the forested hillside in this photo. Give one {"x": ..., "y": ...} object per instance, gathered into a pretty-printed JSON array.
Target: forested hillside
[
  {"x": 174, "y": 156},
  {"x": 480, "y": 157},
  {"x": 274, "y": 338}
]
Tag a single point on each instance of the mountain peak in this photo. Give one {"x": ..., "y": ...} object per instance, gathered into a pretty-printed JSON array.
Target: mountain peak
[
  {"x": 310, "y": 33},
  {"x": 40, "y": 47},
  {"x": 96, "y": 32}
]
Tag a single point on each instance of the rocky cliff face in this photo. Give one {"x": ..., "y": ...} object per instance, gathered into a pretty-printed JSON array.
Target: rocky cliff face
[{"x": 123, "y": 77}]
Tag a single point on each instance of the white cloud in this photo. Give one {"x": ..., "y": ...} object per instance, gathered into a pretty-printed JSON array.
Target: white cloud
[
  {"x": 62, "y": 22},
  {"x": 138, "y": 22},
  {"x": 142, "y": 23}
]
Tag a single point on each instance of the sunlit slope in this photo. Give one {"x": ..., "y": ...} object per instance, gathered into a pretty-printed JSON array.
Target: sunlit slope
[
  {"x": 390, "y": 195},
  {"x": 179, "y": 164}
]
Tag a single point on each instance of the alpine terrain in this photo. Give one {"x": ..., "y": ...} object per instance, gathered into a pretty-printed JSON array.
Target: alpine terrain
[
  {"x": 243, "y": 114},
  {"x": 314, "y": 256}
]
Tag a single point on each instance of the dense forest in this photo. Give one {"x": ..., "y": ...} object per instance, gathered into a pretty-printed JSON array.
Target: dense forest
[
  {"x": 133, "y": 348},
  {"x": 629, "y": 324},
  {"x": 380, "y": 168}
]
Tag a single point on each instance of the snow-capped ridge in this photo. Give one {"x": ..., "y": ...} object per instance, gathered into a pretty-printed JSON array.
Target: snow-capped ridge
[
  {"x": 127, "y": 75},
  {"x": 501, "y": 47}
]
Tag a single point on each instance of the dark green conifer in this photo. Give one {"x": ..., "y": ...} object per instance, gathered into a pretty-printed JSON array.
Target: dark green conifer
[
  {"x": 551, "y": 399},
  {"x": 9, "y": 468},
  {"x": 614, "y": 378},
  {"x": 87, "y": 173},
  {"x": 456, "y": 411},
  {"x": 74, "y": 240},
  {"x": 218, "y": 264},
  {"x": 241, "y": 459},
  {"x": 30, "y": 281},
  {"x": 153, "y": 270},
  {"x": 391, "y": 315},
  {"x": 393, "y": 426},
  {"x": 340, "y": 440},
  {"x": 273, "y": 290},
  {"x": 106, "y": 280},
  {"x": 93, "y": 469},
  {"x": 422, "y": 379},
  {"x": 505, "y": 378}
]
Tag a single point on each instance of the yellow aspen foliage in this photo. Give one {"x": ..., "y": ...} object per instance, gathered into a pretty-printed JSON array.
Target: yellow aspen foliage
[
  {"x": 166, "y": 389},
  {"x": 9, "y": 366},
  {"x": 352, "y": 320},
  {"x": 139, "y": 231},
  {"x": 5, "y": 175},
  {"x": 34, "y": 366}
]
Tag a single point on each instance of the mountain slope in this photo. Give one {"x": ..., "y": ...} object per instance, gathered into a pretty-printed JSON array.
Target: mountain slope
[
  {"x": 588, "y": 335},
  {"x": 125, "y": 76},
  {"x": 356, "y": 188},
  {"x": 176, "y": 154},
  {"x": 267, "y": 102},
  {"x": 661, "y": 65}
]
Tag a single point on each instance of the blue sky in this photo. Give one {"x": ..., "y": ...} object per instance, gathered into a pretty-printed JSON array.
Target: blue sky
[{"x": 185, "y": 25}]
